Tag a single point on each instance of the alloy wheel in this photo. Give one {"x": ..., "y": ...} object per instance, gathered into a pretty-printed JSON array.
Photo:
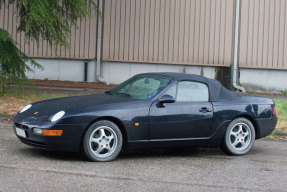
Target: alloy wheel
[
  {"x": 240, "y": 136},
  {"x": 103, "y": 141}
]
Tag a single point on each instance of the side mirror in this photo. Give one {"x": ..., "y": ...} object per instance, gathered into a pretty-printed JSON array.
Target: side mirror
[{"x": 165, "y": 99}]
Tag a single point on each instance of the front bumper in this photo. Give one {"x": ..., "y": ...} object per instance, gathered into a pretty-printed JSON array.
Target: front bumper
[{"x": 70, "y": 140}]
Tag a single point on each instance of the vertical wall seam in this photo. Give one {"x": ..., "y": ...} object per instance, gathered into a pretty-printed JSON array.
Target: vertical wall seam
[
  {"x": 153, "y": 42},
  {"x": 178, "y": 38},
  {"x": 124, "y": 26},
  {"x": 133, "y": 46},
  {"x": 204, "y": 19},
  {"x": 277, "y": 64},
  {"x": 268, "y": 34},
  {"x": 168, "y": 31},
  {"x": 184, "y": 18},
  {"x": 89, "y": 56},
  {"x": 252, "y": 35},
  {"x": 129, "y": 29},
  {"x": 208, "y": 49},
  {"x": 213, "y": 54},
  {"x": 256, "y": 64},
  {"x": 80, "y": 33},
  {"x": 283, "y": 60},
  {"x": 149, "y": 26},
  {"x": 115, "y": 32},
  {"x": 263, "y": 31},
  {"x": 173, "y": 38},
  {"x": 224, "y": 40},
  {"x": 189, "y": 36},
  {"x": 198, "y": 48},
  {"x": 144, "y": 29},
  {"x": 219, "y": 31},
  {"x": 248, "y": 15},
  {"x": 158, "y": 47},
  {"x": 273, "y": 38},
  {"x": 139, "y": 31}
]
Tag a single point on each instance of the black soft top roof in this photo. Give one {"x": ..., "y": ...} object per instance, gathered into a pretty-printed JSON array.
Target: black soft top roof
[{"x": 216, "y": 91}]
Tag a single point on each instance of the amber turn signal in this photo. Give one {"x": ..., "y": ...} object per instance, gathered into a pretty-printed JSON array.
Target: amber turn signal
[
  {"x": 137, "y": 124},
  {"x": 52, "y": 132}
]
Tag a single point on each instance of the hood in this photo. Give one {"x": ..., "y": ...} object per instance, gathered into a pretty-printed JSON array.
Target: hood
[{"x": 49, "y": 107}]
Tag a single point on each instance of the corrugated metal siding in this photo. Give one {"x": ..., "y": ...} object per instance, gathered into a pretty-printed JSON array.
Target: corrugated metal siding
[
  {"x": 263, "y": 41},
  {"x": 83, "y": 39},
  {"x": 192, "y": 32}
]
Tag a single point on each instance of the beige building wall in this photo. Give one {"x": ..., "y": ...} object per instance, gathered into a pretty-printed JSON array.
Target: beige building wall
[
  {"x": 263, "y": 34},
  {"x": 83, "y": 38},
  {"x": 190, "y": 32}
]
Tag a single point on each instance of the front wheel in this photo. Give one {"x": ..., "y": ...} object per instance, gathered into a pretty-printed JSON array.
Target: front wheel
[
  {"x": 239, "y": 137},
  {"x": 102, "y": 141}
]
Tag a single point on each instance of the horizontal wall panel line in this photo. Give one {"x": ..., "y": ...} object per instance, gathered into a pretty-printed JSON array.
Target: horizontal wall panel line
[{"x": 158, "y": 62}]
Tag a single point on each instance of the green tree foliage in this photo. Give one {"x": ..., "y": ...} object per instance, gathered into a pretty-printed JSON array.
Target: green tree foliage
[
  {"x": 50, "y": 20},
  {"x": 13, "y": 62}
]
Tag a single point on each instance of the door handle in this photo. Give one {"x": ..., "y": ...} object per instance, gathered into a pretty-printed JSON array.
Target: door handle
[{"x": 204, "y": 110}]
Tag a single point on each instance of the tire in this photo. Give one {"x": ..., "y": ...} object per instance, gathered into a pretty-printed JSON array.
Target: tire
[
  {"x": 102, "y": 141},
  {"x": 239, "y": 137}
]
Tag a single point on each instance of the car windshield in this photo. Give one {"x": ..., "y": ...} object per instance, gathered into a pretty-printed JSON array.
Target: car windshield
[{"x": 140, "y": 87}]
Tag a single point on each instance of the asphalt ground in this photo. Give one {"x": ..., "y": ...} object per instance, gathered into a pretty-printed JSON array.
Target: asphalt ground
[{"x": 23, "y": 168}]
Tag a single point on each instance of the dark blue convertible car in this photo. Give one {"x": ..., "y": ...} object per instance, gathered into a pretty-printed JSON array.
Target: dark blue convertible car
[{"x": 148, "y": 110}]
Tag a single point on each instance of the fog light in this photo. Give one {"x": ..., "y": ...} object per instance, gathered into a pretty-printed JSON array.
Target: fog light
[{"x": 38, "y": 131}]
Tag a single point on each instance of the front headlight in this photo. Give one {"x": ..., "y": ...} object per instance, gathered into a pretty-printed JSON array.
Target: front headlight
[
  {"x": 57, "y": 116},
  {"x": 25, "y": 108}
]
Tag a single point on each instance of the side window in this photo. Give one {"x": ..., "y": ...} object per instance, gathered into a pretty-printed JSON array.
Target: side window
[
  {"x": 171, "y": 91},
  {"x": 192, "y": 91}
]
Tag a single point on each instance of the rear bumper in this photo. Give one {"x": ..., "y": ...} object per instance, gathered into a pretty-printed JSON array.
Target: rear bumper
[
  {"x": 70, "y": 140},
  {"x": 265, "y": 126}
]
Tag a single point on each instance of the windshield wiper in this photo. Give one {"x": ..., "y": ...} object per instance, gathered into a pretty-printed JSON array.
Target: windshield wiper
[
  {"x": 108, "y": 92},
  {"x": 124, "y": 94}
]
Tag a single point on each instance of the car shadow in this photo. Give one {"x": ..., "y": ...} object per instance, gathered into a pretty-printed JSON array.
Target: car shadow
[
  {"x": 53, "y": 155},
  {"x": 131, "y": 155},
  {"x": 171, "y": 153}
]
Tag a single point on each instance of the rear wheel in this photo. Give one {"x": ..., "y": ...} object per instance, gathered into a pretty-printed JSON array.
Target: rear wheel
[
  {"x": 102, "y": 141},
  {"x": 239, "y": 137}
]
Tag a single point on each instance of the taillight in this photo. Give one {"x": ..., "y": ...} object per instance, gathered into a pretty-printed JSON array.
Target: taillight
[{"x": 274, "y": 110}]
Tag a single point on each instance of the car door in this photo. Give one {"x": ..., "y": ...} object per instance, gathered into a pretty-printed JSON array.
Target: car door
[{"x": 190, "y": 116}]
